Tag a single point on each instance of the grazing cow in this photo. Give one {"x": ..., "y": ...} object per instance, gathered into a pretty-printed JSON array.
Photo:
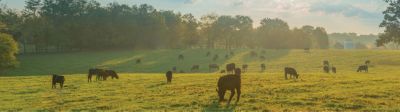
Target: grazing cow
[
  {"x": 244, "y": 67},
  {"x": 326, "y": 69},
  {"x": 208, "y": 53},
  {"x": 57, "y": 79},
  {"x": 195, "y": 67},
  {"x": 181, "y": 57},
  {"x": 213, "y": 67},
  {"x": 325, "y": 63},
  {"x": 169, "y": 76},
  {"x": 174, "y": 69},
  {"x": 253, "y": 54},
  {"x": 333, "y": 69},
  {"x": 95, "y": 71},
  {"x": 263, "y": 67},
  {"x": 292, "y": 72},
  {"x": 111, "y": 73},
  {"x": 367, "y": 62},
  {"x": 226, "y": 56},
  {"x": 262, "y": 58},
  {"x": 222, "y": 71},
  {"x": 215, "y": 58},
  {"x": 229, "y": 82},
  {"x": 138, "y": 61},
  {"x": 362, "y": 68},
  {"x": 230, "y": 68}
]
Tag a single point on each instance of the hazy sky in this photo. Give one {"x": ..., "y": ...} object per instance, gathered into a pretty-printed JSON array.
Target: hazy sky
[{"x": 360, "y": 16}]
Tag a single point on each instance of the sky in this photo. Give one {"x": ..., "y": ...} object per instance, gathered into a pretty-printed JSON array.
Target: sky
[{"x": 359, "y": 16}]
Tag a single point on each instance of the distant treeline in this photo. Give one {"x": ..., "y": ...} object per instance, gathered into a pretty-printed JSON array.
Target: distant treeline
[
  {"x": 64, "y": 25},
  {"x": 360, "y": 41}
]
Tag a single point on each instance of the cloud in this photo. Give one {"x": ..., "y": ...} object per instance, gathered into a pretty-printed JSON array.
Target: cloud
[
  {"x": 346, "y": 10},
  {"x": 191, "y": 1}
]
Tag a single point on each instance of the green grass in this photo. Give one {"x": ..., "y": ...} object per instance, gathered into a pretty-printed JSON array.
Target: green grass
[{"x": 142, "y": 87}]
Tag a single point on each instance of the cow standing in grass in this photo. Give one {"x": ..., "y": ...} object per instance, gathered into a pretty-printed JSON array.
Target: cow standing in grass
[
  {"x": 110, "y": 73},
  {"x": 169, "y": 76},
  {"x": 325, "y": 63},
  {"x": 230, "y": 68},
  {"x": 326, "y": 69},
  {"x": 195, "y": 67},
  {"x": 292, "y": 72},
  {"x": 333, "y": 69},
  {"x": 362, "y": 68},
  {"x": 263, "y": 67},
  {"x": 229, "y": 82},
  {"x": 244, "y": 67},
  {"x": 57, "y": 79},
  {"x": 213, "y": 67}
]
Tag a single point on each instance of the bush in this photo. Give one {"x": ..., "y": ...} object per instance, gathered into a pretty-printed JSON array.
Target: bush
[{"x": 8, "y": 50}]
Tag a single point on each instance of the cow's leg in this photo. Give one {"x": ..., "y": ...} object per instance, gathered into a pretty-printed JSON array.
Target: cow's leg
[
  {"x": 286, "y": 76},
  {"x": 238, "y": 94},
  {"x": 61, "y": 84},
  {"x": 230, "y": 97}
]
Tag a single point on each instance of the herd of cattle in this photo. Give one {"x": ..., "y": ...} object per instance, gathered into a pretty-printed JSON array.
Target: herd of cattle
[{"x": 231, "y": 81}]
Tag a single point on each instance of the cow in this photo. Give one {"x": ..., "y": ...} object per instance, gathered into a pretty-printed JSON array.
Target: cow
[
  {"x": 230, "y": 68},
  {"x": 208, "y": 54},
  {"x": 95, "y": 71},
  {"x": 362, "y": 68},
  {"x": 181, "y": 57},
  {"x": 213, "y": 67},
  {"x": 57, "y": 79},
  {"x": 292, "y": 72},
  {"x": 333, "y": 69},
  {"x": 326, "y": 69},
  {"x": 169, "y": 76},
  {"x": 262, "y": 58},
  {"x": 325, "y": 63},
  {"x": 138, "y": 61},
  {"x": 367, "y": 62},
  {"x": 215, "y": 58},
  {"x": 307, "y": 50},
  {"x": 195, "y": 67},
  {"x": 244, "y": 67},
  {"x": 174, "y": 69},
  {"x": 111, "y": 73},
  {"x": 263, "y": 67},
  {"x": 229, "y": 82}
]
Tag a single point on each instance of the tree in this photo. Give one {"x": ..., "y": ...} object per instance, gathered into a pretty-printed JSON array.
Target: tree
[
  {"x": 391, "y": 24},
  {"x": 273, "y": 33},
  {"x": 8, "y": 50}
]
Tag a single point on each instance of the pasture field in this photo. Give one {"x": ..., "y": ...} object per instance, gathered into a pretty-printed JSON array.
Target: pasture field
[{"x": 142, "y": 87}]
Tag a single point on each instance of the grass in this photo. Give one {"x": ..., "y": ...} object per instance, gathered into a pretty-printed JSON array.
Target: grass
[{"x": 143, "y": 88}]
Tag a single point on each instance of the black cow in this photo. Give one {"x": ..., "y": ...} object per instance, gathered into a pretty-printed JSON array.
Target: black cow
[
  {"x": 325, "y": 63},
  {"x": 98, "y": 72},
  {"x": 362, "y": 68},
  {"x": 244, "y": 67},
  {"x": 213, "y": 67},
  {"x": 326, "y": 69},
  {"x": 57, "y": 79},
  {"x": 208, "y": 53},
  {"x": 169, "y": 76},
  {"x": 195, "y": 67},
  {"x": 333, "y": 69},
  {"x": 263, "y": 67},
  {"x": 230, "y": 68},
  {"x": 229, "y": 82},
  {"x": 292, "y": 72},
  {"x": 181, "y": 57},
  {"x": 111, "y": 73}
]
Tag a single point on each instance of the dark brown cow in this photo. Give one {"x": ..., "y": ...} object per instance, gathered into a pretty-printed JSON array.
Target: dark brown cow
[
  {"x": 213, "y": 67},
  {"x": 110, "y": 73},
  {"x": 181, "y": 57},
  {"x": 263, "y": 67},
  {"x": 333, "y": 69},
  {"x": 57, "y": 79},
  {"x": 326, "y": 69},
  {"x": 169, "y": 76},
  {"x": 244, "y": 67},
  {"x": 292, "y": 72},
  {"x": 232, "y": 83},
  {"x": 362, "y": 68},
  {"x": 138, "y": 61},
  {"x": 94, "y": 71},
  {"x": 230, "y": 68},
  {"x": 195, "y": 67}
]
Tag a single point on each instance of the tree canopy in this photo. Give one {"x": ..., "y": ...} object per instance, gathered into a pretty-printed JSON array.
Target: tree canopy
[
  {"x": 391, "y": 24},
  {"x": 8, "y": 50}
]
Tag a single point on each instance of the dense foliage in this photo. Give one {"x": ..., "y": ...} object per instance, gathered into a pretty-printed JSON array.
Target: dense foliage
[
  {"x": 391, "y": 24},
  {"x": 8, "y": 50},
  {"x": 86, "y": 24}
]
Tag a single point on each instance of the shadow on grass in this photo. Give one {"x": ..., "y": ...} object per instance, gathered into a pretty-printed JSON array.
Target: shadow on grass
[{"x": 216, "y": 107}]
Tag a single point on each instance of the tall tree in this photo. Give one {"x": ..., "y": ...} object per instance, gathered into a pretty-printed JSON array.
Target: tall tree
[
  {"x": 391, "y": 24},
  {"x": 8, "y": 50}
]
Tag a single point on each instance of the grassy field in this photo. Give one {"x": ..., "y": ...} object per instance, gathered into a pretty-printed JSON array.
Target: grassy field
[{"x": 142, "y": 87}]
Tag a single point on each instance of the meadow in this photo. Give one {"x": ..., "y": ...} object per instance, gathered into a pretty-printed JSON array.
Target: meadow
[{"x": 142, "y": 87}]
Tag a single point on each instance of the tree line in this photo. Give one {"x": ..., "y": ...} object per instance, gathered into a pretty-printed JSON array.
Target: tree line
[{"x": 64, "y": 25}]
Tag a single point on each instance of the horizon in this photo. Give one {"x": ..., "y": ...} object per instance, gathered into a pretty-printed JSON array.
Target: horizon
[{"x": 361, "y": 16}]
